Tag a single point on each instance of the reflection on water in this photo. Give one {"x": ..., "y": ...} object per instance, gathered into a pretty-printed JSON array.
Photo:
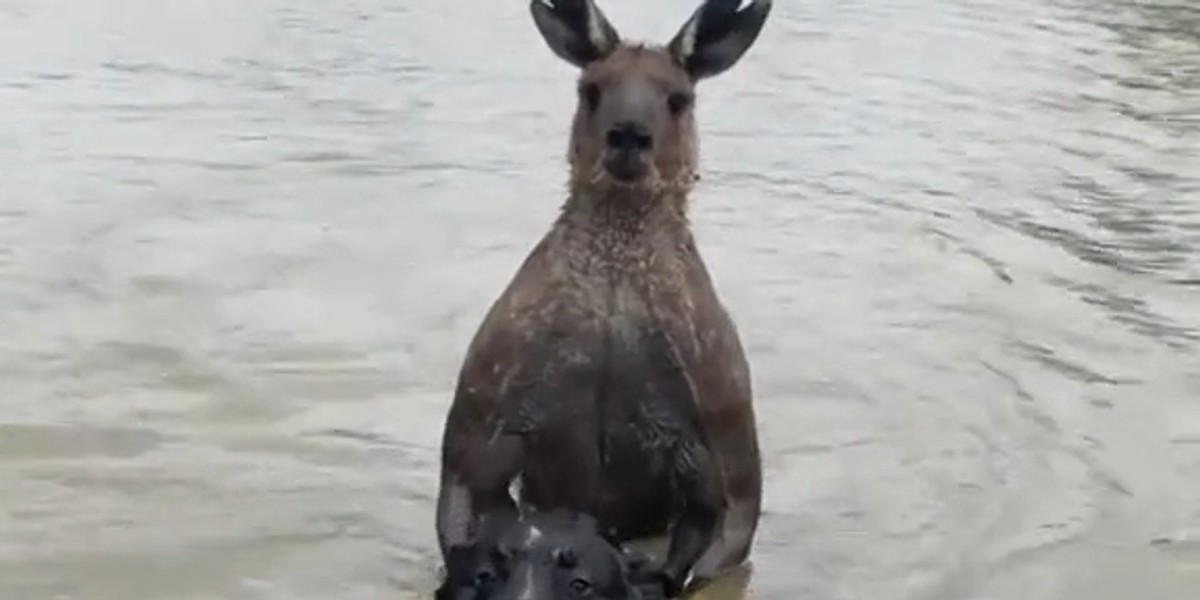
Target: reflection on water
[{"x": 243, "y": 247}]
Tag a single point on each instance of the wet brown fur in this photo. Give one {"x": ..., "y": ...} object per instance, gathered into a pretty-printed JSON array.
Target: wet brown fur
[{"x": 609, "y": 365}]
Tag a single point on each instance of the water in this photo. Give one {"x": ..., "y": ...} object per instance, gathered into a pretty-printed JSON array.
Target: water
[{"x": 243, "y": 247}]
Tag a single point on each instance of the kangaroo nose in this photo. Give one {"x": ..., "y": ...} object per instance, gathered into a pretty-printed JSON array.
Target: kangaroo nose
[{"x": 627, "y": 135}]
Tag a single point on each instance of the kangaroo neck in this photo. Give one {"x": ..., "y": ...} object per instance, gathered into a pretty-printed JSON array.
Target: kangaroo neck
[{"x": 628, "y": 211}]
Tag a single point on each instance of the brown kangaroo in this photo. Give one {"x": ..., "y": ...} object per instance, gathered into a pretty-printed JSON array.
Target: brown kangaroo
[{"x": 608, "y": 378}]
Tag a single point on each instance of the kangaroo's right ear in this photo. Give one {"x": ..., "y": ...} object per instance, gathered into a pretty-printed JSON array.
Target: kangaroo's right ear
[
  {"x": 575, "y": 30},
  {"x": 717, "y": 36}
]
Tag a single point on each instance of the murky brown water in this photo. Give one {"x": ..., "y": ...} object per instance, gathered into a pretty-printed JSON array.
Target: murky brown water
[{"x": 243, "y": 246}]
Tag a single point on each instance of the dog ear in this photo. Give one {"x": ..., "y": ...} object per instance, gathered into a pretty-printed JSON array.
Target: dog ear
[
  {"x": 455, "y": 572},
  {"x": 609, "y": 535}
]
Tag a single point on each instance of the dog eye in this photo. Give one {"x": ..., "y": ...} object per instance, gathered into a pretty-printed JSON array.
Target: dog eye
[
  {"x": 678, "y": 102},
  {"x": 580, "y": 585}
]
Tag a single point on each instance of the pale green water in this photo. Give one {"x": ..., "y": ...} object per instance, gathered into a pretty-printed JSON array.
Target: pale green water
[{"x": 243, "y": 246}]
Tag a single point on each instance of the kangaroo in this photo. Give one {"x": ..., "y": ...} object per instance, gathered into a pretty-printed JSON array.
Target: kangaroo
[{"x": 608, "y": 378}]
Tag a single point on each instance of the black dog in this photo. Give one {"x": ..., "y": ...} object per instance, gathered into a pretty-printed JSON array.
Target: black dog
[{"x": 546, "y": 557}]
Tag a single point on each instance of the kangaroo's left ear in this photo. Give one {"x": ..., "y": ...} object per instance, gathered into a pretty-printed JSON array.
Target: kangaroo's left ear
[{"x": 717, "y": 36}]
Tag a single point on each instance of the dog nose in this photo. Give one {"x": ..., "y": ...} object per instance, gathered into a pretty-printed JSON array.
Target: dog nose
[{"x": 627, "y": 135}]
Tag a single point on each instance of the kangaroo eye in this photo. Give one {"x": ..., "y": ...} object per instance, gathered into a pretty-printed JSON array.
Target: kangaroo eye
[
  {"x": 590, "y": 93},
  {"x": 679, "y": 102}
]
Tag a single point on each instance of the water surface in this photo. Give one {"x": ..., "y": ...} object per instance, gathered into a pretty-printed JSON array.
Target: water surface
[{"x": 243, "y": 247}]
